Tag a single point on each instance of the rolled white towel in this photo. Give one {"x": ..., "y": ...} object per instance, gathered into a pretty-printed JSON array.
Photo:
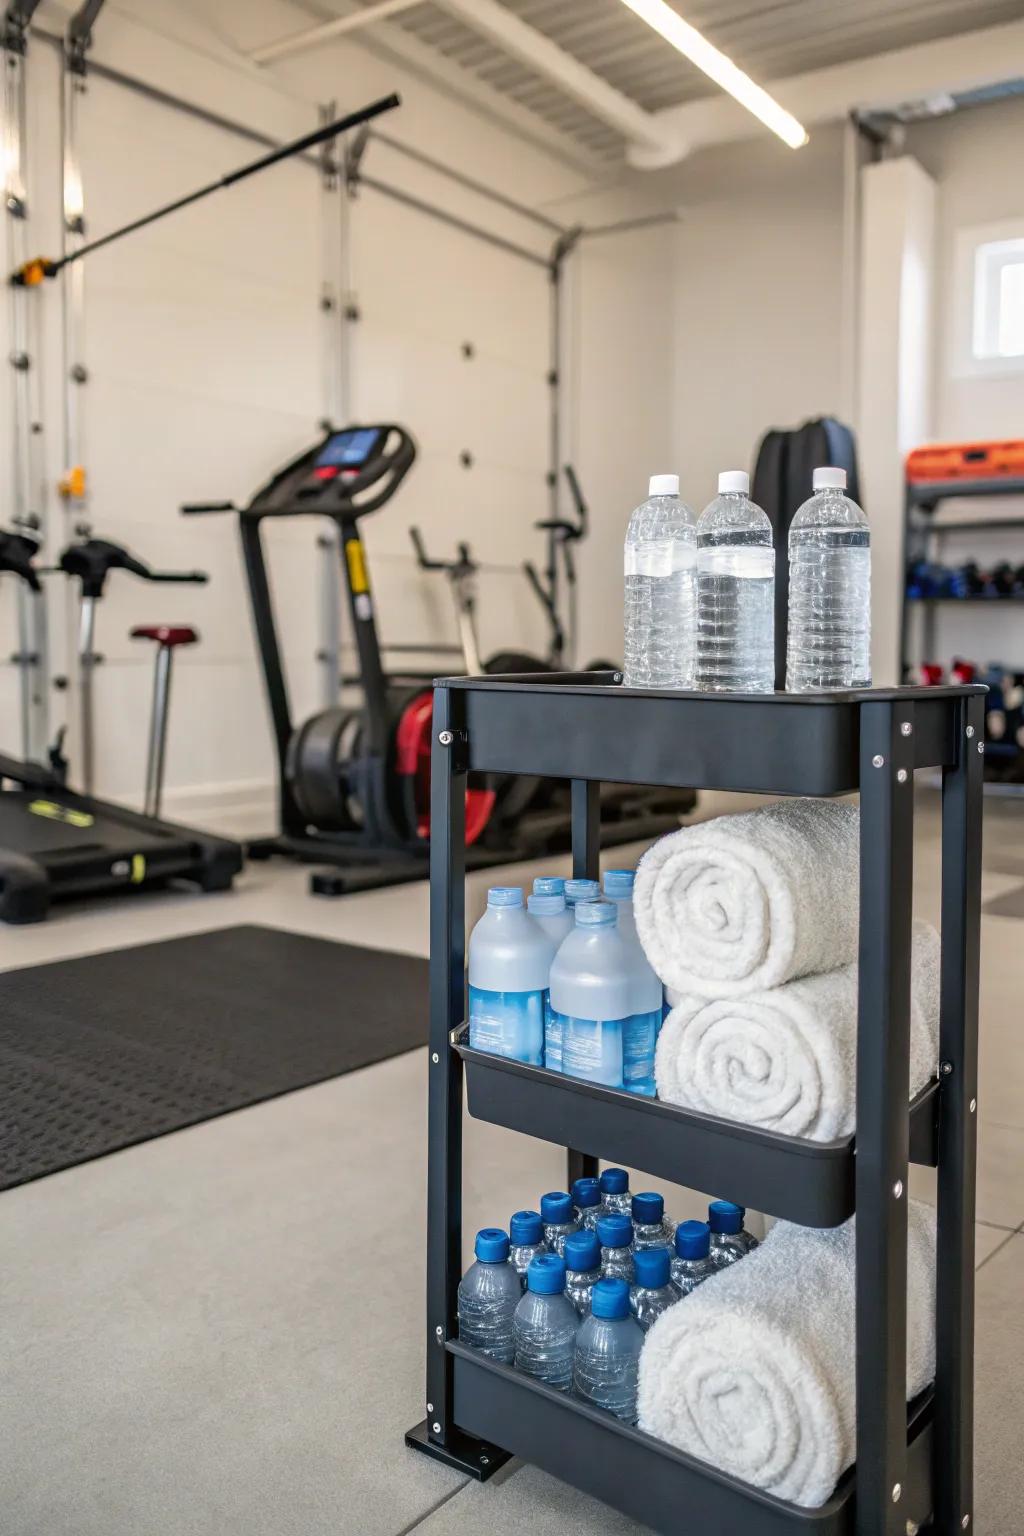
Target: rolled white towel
[
  {"x": 786, "y": 1059},
  {"x": 755, "y": 1371},
  {"x": 747, "y": 902}
]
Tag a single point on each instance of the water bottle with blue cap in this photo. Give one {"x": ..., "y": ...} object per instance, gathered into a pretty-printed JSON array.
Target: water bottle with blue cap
[
  {"x": 616, "y": 1198},
  {"x": 559, "y": 1217},
  {"x": 489, "y": 1293},
  {"x": 545, "y": 1324},
  {"x": 582, "y": 1268},
  {"x": 608, "y": 1349},
  {"x": 651, "y": 1293},
  {"x": 651, "y": 1227},
  {"x": 729, "y": 1241},
  {"x": 550, "y": 912},
  {"x": 526, "y": 1240},
  {"x": 615, "y": 1234},
  {"x": 692, "y": 1264},
  {"x": 509, "y": 968},
  {"x": 548, "y": 885},
  {"x": 590, "y": 992},
  {"x": 581, "y": 890},
  {"x": 586, "y": 1198},
  {"x": 647, "y": 995}
]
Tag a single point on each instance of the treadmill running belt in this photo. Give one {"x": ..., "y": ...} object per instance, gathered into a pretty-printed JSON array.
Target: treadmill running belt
[{"x": 108, "y": 1050}]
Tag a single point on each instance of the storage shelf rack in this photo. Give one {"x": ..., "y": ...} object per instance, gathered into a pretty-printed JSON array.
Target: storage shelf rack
[{"x": 914, "y": 1464}]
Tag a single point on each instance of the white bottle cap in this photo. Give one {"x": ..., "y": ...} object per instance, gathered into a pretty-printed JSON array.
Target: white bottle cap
[
  {"x": 733, "y": 480},
  {"x": 663, "y": 485},
  {"x": 829, "y": 479}
]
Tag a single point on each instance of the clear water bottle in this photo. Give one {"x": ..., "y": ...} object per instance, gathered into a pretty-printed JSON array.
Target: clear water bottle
[
  {"x": 735, "y": 592},
  {"x": 582, "y": 1268},
  {"x": 652, "y": 1293},
  {"x": 616, "y": 1198},
  {"x": 829, "y": 639},
  {"x": 729, "y": 1241},
  {"x": 647, "y": 995},
  {"x": 526, "y": 1240},
  {"x": 551, "y": 913},
  {"x": 615, "y": 1234},
  {"x": 545, "y": 1324},
  {"x": 586, "y": 1199},
  {"x": 509, "y": 968},
  {"x": 661, "y": 600},
  {"x": 489, "y": 1293},
  {"x": 559, "y": 1218},
  {"x": 692, "y": 1264},
  {"x": 581, "y": 890},
  {"x": 608, "y": 1349},
  {"x": 651, "y": 1227}
]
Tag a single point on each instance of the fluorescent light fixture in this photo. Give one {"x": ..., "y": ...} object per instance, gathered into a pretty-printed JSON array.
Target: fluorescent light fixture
[{"x": 719, "y": 68}]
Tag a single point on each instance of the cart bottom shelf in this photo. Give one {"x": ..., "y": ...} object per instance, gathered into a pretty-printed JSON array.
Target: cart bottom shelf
[{"x": 645, "y": 1478}]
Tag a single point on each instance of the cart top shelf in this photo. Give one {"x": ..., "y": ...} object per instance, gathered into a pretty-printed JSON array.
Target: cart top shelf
[{"x": 585, "y": 726}]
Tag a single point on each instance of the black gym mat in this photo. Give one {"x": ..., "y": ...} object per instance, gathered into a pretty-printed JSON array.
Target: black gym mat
[{"x": 112, "y": 1049}]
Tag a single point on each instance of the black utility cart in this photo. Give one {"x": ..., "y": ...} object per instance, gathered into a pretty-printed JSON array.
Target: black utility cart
[{"x": 914, "y": 1465}]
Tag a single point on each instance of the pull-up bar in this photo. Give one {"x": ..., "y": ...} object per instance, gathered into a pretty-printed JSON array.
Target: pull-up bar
[{"x": 33, "y": 272}]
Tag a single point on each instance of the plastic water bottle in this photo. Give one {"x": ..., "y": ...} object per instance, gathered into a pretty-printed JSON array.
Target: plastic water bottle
[
  {"x": 581, "y": 890},
  {"x": 661, "y": 599},
  {"x": 559, "y": 1218},
  {"x": 616, "y": 1198},
  {"x": 526, "y": 1240},
  {"x": 735, "y": 592},
  {"x": 608, "y": 1349},
  {"x": 586, "y": 1199},
  {"x": 582, "y": 1268},
  {"x": 551, "y": 914},
  {"x": 545, "y": 1324},
  {"x": 652, "y": 1294},
  {"x": 509, "y": 966},
  {"x": 693, "y": 1263},
  {"x": 729, "y": 1241},
  {"x": 615, "y": 1234},
  {"x": 548, "y": 885},
  {"x": 489, "y": 1293},
  {"x": 829, "y": 640},
  {"x": 591, "y": 988},
  {"x": 647, "y": 995},
  {"x": 651, "y": 1227}
]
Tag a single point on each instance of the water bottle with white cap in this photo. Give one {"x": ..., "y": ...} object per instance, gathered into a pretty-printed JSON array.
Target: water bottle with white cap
[
  {"x": 509, "y": 965},
  {"x": 735, "y": 592},
  {"x": 829, "y": 639},
  {"x": 661, "y": 598}
]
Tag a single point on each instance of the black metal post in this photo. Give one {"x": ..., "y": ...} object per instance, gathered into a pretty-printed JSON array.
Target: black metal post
[
  {"x": 586, "y": 864},
  {"x": 962, "y": 787},
  {"x": 262, "y": 605},
  {"x": 883, "y": 1121}
]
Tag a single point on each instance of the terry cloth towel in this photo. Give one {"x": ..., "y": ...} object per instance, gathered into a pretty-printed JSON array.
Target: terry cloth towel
[
  {"x": 747, "y": 902},
  {"x": 786, "y": 1060},
  {"x": 754, "y": 1372}
]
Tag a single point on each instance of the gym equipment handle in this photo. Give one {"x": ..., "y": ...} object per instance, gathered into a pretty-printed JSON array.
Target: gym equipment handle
[{"x": 195, "y": 508}]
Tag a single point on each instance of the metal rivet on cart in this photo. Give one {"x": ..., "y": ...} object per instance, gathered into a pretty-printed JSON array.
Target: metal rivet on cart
[
  {"x": 906, "y": 728},
  {"x": 485, "y": 1461},
  {"x": 897, "y": 1490},
  {"x": 430, "y": 1407},
  {"x": 435, "y": 1058},
  {"x": 981, "y": 746},
  {"x": 946, "y": 1068},
  {"x": 965, "y": 1522},
  {"x": 878, "y": 761},
  {"x": 897, "y": 1188},
  {"x": 439, "y": 1331},
  {"x": 445, "y": 738},
  {"x": 616, "y": 677},
  {"x": 436, "y": 1428},
  {"x": 902, "y": 775},
  {"x": 970, "y": 731},
  {"x": 973, "y": 1105}
]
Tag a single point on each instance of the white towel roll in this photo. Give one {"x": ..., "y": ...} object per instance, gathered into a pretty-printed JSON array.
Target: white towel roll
[
  {"x": 747, "y": 902},
  {"x": 755, "y": 1371},
  {"x": 786, "y": 1059}
]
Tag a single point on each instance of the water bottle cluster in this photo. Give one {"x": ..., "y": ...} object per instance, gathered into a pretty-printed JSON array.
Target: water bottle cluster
[
  {"x": 562, "y": 982},
  {"x": 568, "y": 1292},
  {"x": 700, "y": 593}
]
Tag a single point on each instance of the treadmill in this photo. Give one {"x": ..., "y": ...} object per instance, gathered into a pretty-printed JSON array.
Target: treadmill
[{"x": 56, "y": 842}]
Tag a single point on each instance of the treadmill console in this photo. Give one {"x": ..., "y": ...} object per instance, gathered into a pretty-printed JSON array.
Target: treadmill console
[{"x": 347, "y": 474}]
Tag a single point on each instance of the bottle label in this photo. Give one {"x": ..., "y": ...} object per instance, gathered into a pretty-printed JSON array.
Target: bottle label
[
  {"x": 663, "y": 558},
  {"x": 553, "y": 1034},
  {"x": 592, "y": 1049},
  {"x": 508, "y": 1024},
  {"x": 639, "y": 1036}
]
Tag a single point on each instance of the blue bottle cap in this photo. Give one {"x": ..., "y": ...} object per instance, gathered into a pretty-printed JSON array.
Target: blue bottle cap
[
  {"x": 610, "y": 1298},
  {"x": 615, "y": 1231},
  {"x": 546, "y": 906},
  {"x": 648, "y": 1209},
  {"x": 526, "y": 1227},
  {"x": 546, "y": 1274},
  {"x": 725, "y": 1217},
  {"x": 549, "y": 885},
  {"x": 693, "y": 1239},
  {"x": 504, "y": 896},
  {"x": 491, "y": 1245},
  {"x": 596, "y": 914},
  {"x": 581, "y": 890},
  {"x": 583, "y": 1251},
  {"x": 556, "y": 1208},
  {"x": 652, "y": 1267},
  {"x": 614, "y": 1181},
  {"x": 586, "y": 1192},
  {"x": 619, "y": 882}
]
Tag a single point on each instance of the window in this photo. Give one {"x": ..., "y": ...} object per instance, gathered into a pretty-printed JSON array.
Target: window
[{"x": 988, "y": 299}]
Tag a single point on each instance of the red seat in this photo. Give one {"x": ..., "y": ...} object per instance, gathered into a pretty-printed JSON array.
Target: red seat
[{"x": 166, "y": 634}]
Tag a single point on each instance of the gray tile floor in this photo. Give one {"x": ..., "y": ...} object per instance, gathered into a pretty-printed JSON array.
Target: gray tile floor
[{"x": 197, "y": 1337}]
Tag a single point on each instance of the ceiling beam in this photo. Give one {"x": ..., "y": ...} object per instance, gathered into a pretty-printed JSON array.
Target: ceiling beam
[
  {"x": 652, "y": 140},
  {"x": 309, "y": 37}
]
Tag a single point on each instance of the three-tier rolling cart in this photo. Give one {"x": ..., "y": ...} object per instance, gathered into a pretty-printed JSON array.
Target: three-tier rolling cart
[{"x": 914, "y": 1465}]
